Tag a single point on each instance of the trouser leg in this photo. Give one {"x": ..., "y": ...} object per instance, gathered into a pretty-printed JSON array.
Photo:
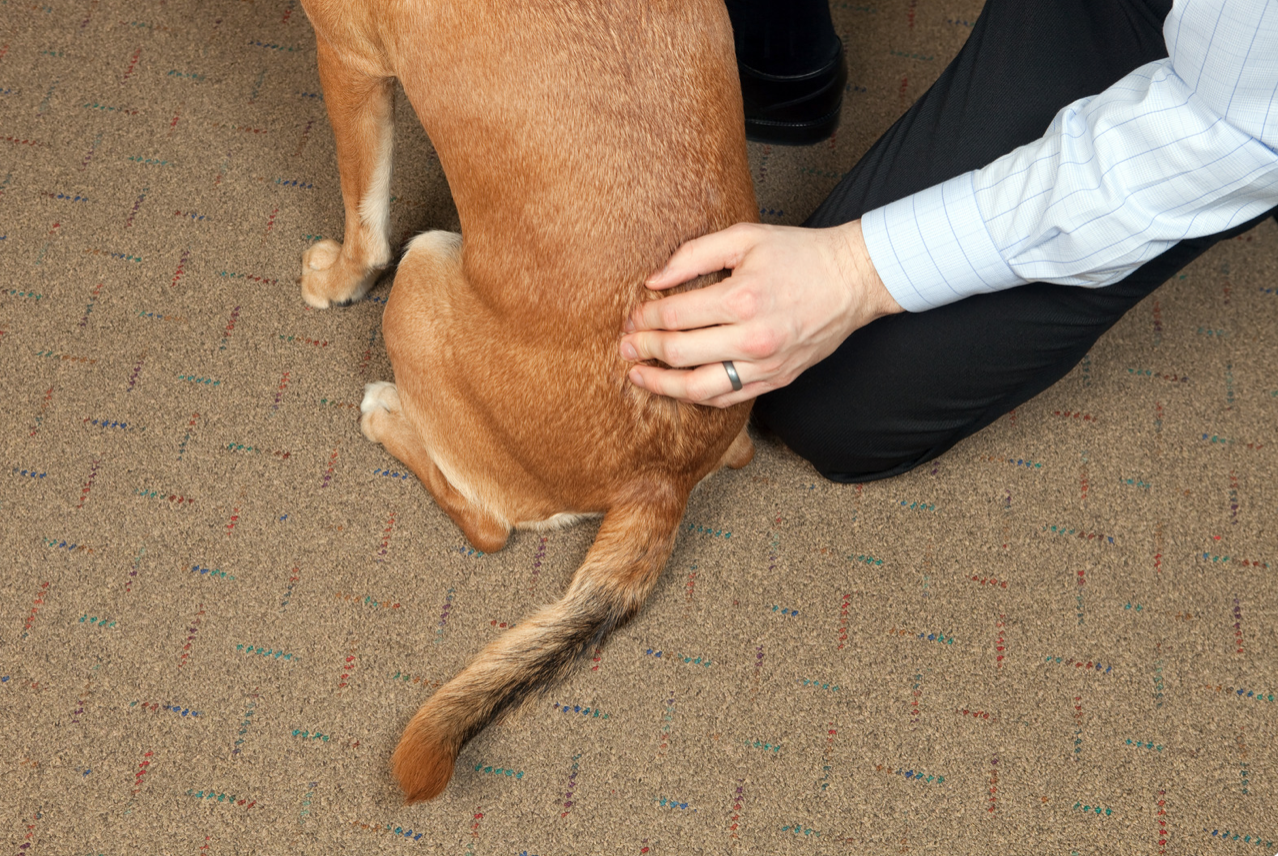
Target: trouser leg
[
  {"x": 905, "y": 388},
  {"x": 783, "y": 36}
]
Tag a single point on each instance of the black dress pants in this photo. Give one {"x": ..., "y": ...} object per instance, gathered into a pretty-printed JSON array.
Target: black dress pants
[{"x": 905, "y": 388}]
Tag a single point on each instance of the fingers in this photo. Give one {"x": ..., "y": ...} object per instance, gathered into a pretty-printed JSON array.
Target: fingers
[
  {"x": 707, "y": 254},
  {"x": 725, "y": 331},
  {"x": 708, "y": 384},
  {"x": 700, "y": 385},
  {"x": 738, "y": 299},
  {"x": 700, "y": 346},
  {"x": 702, "y": 307}
]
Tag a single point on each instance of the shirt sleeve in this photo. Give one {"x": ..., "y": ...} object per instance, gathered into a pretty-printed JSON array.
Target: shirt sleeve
[{"x": 1179, "y": 148}]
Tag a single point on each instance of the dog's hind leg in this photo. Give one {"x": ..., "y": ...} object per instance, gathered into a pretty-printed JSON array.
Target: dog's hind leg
[
  {"x": 361, "y": 109},
  {"x": 383, "y": 421}
]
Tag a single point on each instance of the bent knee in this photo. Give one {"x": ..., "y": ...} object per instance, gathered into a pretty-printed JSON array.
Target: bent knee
[{"x": 853, "y": 454}]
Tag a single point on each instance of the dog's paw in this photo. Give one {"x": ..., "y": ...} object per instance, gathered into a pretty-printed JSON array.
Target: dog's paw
[
  {"x": 380, "y": 394},
  {"x": 320, "y": 256},
  {"x": 328, "y": 278},
  {"x": 317, "y": 264},
  {"x": 380, "y": 398}
]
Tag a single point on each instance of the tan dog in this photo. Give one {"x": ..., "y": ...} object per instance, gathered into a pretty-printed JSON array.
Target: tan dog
[{"x": 583, "y": 141}]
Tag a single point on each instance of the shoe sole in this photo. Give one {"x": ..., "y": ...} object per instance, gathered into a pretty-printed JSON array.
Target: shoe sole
[{"x": 793, "y": 133}]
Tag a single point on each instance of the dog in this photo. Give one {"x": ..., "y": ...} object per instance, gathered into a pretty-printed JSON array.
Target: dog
[{"x": 583, "y": 141}]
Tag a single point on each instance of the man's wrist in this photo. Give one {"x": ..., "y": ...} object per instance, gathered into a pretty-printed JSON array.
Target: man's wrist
[{"x": 869, "y": 290}]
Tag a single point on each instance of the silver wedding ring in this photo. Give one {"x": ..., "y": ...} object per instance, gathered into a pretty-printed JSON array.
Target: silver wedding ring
[{"x": 732, "y": 375}]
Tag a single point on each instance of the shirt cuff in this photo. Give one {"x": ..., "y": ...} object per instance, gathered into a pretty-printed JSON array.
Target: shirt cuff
[{"x": 932, "y": 248}]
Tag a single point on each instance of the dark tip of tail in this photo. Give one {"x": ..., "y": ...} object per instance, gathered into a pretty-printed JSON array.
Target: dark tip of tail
[{"x": 423, "y": 763}]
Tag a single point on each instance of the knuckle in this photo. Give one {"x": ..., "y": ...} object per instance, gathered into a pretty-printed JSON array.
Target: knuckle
[
  {"x": 671, "y": 354},
  {"x": 743, "y": 302},
  {"x": 776, "y": 368},
  {"x": 647, "y": 315},
  {"x": 667, "y": 316},
  {"x": 649, "y": 347},
  {"x": 761, "y": 344},
  {"x": 696, "y": 389}
]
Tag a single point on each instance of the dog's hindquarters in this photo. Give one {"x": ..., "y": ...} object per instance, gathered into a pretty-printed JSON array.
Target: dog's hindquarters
[
  {"x": 519, "y": 420},
  {"x": 634, "y": 541}
]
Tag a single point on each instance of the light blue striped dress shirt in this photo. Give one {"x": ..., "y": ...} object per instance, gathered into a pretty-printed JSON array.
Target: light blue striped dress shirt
[{"x": 1179, "y": 148}]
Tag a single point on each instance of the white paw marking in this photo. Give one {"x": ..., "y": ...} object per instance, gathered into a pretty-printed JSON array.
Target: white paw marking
[
  {"x": 379, "y": 394},
  {"x": 322, "y": 255},
  {"x": 436, "y": 242}
]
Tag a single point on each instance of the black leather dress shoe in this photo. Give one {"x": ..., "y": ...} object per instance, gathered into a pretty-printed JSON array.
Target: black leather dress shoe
[{"x": 793, "y": 110}]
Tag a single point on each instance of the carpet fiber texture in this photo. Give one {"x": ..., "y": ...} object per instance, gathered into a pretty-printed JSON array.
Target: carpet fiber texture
[{"x": 219, "y": 603}]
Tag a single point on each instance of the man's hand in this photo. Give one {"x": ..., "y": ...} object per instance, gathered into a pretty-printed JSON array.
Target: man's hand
[{"x": 793, "y": 296}]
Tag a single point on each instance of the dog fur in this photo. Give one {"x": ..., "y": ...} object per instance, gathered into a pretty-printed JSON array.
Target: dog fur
[{"x": 583, "y": 142}]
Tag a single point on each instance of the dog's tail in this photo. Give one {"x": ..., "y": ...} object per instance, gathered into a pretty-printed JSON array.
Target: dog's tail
[{"x": 632, "y": 546}]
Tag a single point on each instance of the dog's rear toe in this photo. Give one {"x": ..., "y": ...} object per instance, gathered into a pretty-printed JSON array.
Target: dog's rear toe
[
  {"x": 381, "y": 400},
  {"x": 381, "y": 394}
]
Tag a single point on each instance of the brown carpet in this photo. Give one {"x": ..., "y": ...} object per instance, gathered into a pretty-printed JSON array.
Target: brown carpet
[{"x": 219, "y": 604}]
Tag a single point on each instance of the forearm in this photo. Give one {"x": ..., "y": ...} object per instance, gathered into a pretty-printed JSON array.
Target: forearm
[{"x": 1179, "y": 148}]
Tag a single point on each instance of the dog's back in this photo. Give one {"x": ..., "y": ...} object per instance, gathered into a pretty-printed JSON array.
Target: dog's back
[
  {"x": 603, "y": 136},
  {"x": 582, "y": 142}
]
